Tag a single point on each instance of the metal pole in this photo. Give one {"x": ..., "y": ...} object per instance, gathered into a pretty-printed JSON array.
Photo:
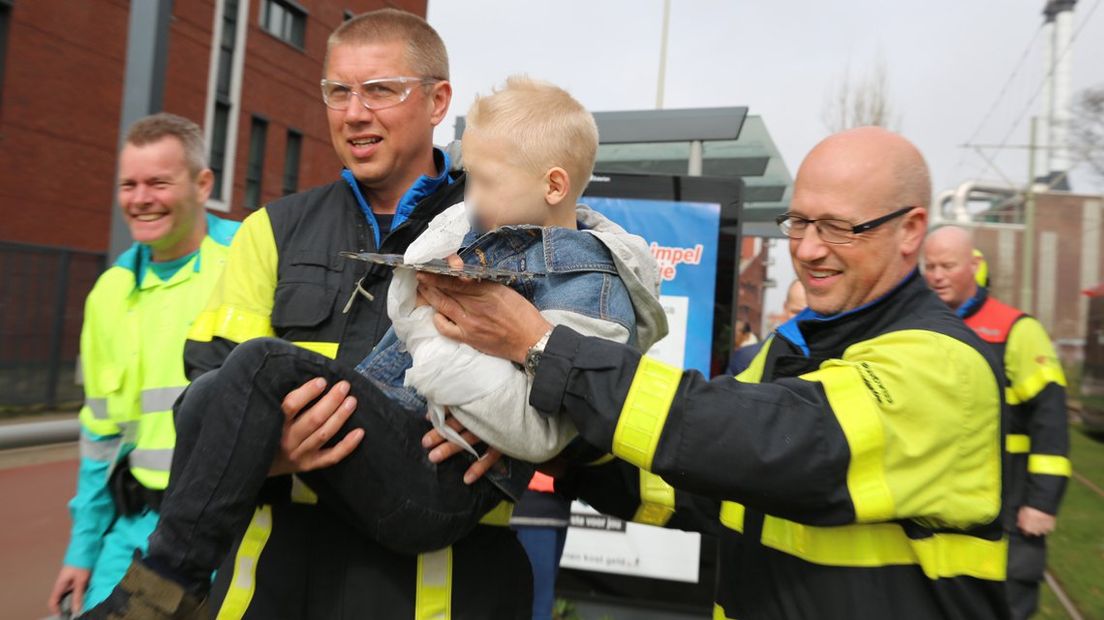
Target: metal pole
[
  {"x": 143, "y": 86},
  {"x": 661, "y": 82},
  {"x": 697, "y": 158},
  {"x": 1028, "y": 278}
]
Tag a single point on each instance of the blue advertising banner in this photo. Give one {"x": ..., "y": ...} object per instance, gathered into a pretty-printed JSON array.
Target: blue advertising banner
[{"x": 683, "y": 240}]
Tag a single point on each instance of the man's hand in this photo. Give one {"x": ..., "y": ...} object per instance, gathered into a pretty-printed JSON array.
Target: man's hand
[
  {"x": 1034, "y": 522},
  {"x": 70, "y": 579},
  {"x": 441, "y": 450},
  {"x": 490, "y": 317},
  {"x": 305, "y": 434}
]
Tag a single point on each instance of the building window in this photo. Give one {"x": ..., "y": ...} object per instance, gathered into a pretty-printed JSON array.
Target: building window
[
  {"x": 255, "y": 167},
  {"x": 284, "y": 19},
  {"x": 224, "y": 91},
  {"x": 291, "y": 161},
  {"x": 5, "y": 20}
]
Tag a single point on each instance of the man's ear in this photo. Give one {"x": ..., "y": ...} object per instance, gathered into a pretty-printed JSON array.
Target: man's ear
[
  {"x": 913, "y": 230},
  {"x": 439, "y": 97},
  {"x": 558, "y": 186},
  {"x": 205, "y": 181}
]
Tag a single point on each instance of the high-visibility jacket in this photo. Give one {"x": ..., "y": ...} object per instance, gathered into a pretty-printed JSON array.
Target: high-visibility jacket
[
  {"x": 132, "y": 345},
  {"x": 299, "y": 559},
  {"x": 1038, "y": 429},
  {"x": 853, "y": 471}
]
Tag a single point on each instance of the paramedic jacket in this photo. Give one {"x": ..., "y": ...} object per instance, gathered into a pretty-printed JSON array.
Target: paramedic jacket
[
  {"x": 297, "y": 559},
  {"x": 853, "y": 471}
]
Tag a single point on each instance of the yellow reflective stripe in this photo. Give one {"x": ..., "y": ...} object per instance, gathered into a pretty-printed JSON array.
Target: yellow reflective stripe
[
  {"x": 499, "y": 515},
  {"x": 602, "y": 460},
  {"x": 859, "y": 418},
  {"x": 1010, "y": 396},
  {"x": 1030, "y": 386},
  {"x": 645, "y": 411},
  {"x": 657, "y": 500},
  {"x": 244, "y": 580},
  {"x": 732, "y": 516},
  {"x": 754, "y": 372},
  {"x": 230, "y": 323},
  {"x": 719, "y": 613},
  {"x": 885, "y": 544},
  {"x": 301, "y": 493},
  {"x": 433, "y": 599},
  {"x": 328, "y": 349},
  {"x": 1049, "y": 464},
  {"x": 1017, "y": 444}
]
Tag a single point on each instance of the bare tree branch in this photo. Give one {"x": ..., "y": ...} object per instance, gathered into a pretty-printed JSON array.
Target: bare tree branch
[
  {"x": 1087, "y": 129},
  {"x": 860, "y": 103}
]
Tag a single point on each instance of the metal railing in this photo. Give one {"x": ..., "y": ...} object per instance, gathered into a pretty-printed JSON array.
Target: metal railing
[{"x": 42, "y": 292}]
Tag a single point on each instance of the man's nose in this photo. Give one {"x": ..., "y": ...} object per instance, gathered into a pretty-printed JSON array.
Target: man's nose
[
  {"x": 357, "y": 112},
  {"x": 809, "y": 247}
]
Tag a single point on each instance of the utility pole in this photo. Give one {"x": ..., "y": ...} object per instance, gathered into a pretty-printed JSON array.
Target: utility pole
[
  {"x": 1027, "y": 283},
  {"x": 661, "y": 82},
  {"x": 143, "y": 87}
]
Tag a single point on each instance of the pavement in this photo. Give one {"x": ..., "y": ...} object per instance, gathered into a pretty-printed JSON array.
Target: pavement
[{"x": 35, "y": 484}]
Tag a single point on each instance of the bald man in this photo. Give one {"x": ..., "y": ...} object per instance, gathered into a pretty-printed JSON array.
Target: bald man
[
  {"x": 854, "y": 470},
  {"x": 1038, "y": 433}
]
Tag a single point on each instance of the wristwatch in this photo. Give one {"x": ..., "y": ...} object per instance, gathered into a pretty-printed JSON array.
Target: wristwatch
[{"x": 533, "y": 355}]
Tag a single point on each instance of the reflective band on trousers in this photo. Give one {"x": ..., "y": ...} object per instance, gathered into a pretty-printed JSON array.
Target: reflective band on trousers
[
  {"x": 160, "y": 460},
  {"x": 155, "y": 400},
  {"x": 98, "y": 406},
  {"x": 1017, "y": 444},
  {"x": 244, "y": 581},
  {"x": 433, "y": 599},
  {"x": 103, "y": 451}
]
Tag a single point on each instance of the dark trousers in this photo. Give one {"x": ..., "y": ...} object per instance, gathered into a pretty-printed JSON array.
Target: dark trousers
[
  {"x": 1026, "y": 563},
  {"x": 228, "y": 425}
]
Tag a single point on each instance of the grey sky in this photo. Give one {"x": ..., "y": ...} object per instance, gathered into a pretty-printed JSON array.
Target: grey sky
[{"x": 946, "y": 61}]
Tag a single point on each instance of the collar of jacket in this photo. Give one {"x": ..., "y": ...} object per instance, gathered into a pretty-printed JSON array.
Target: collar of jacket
[
  {"x": 973, "y": 304},
  {"x": 424, "y": 186},
  {"x": 812, "y": 332},
  {"x": 138, "y": 257}
]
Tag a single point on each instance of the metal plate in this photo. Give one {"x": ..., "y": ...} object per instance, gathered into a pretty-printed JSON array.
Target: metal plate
[{"x": 441, "y": 267}]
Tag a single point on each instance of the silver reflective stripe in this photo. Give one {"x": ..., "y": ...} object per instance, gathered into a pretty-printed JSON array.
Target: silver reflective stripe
[
  {"x": 160, "y": 399},
  {"x": 98, "y": 407},
  {"x": 159, "y": 460},
  {"x": 103, "y": 451}
]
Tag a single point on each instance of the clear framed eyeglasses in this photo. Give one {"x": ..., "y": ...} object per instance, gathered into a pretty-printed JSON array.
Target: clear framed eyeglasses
[{"x": 376, "y": 94}]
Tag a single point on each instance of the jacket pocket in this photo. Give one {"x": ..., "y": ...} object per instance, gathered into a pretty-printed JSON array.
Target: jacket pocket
[{"x": 302, "y": 305}]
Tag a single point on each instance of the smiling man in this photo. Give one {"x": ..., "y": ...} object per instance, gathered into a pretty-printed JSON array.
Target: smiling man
[
  {"x": 384, "y": 88},
  {"x": 132, "y": 343},
  {"x": 854, "y": 470}
]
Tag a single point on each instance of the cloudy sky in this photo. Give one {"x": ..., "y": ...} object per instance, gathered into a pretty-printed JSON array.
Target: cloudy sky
[{"x": 946, "y": 60}]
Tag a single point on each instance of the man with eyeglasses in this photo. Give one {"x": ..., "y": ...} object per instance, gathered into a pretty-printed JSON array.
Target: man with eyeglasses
[
  {"x": 385, "y": 88},
  {"x": 854, "y": 470}
]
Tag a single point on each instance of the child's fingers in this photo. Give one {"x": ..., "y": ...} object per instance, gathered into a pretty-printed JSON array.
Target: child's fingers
[
  {"x": 328, "y": 427},
  {"x": 344, "y": 448},
  {"x": 302, "y": 395},
  {"x": 489, "y": 459}
]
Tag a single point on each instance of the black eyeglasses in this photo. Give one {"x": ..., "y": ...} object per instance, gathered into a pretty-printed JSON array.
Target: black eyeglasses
[{"x": 830, "y": 230}]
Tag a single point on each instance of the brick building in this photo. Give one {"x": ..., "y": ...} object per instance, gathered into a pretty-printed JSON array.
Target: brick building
[{"x": 246, "y": 70}]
